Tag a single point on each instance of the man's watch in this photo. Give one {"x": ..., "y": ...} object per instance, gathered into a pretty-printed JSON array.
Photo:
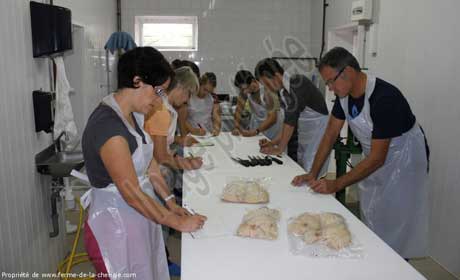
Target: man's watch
[{"x": 257, "y": 131}]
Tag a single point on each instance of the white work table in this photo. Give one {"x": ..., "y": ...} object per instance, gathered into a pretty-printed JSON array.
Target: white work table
[{"x": 230, "y": 257}]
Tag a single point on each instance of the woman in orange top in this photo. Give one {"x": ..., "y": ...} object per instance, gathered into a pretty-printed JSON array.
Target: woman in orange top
[{"x": 161, "y": 125}]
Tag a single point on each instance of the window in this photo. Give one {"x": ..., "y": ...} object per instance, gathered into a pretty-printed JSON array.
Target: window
[{"x": 167, "y": 33}]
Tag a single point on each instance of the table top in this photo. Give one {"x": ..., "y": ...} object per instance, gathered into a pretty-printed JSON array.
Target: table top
[{"x": 216, "y": 252}]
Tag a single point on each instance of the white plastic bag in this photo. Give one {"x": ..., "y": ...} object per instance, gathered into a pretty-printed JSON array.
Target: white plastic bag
[
  {"x": 64, "y": 118},
  {"x": 316, "y": 240}
]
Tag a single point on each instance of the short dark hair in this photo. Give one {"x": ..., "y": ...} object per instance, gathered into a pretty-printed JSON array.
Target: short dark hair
[
  {"x": 176, "y": 63},
  {"x": 339, "y": 58},
  {"x": 243, "y": 77},
  {"x": 268, "y": 67},
  {"x": 147, "y": 63},
  {"x": 209, "y": 77},
  {"x": 192, "y": 65}
]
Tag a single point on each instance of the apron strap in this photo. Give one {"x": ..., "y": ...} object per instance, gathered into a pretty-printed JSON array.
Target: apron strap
[
  {"x": 81, "y": 176},
  {"x": 85, "y": 199},
  {"x": 427, "y": 150}
]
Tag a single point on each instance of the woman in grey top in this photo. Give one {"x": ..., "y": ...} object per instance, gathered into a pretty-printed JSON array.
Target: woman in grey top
[{"x": 123, "y": 230}]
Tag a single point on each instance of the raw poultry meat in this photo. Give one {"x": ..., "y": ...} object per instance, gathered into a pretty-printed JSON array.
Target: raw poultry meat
[
  {"x": 242, "y": 191},
  {"x": 327, "y": 228},
  {"x": 261, "y": 223}
]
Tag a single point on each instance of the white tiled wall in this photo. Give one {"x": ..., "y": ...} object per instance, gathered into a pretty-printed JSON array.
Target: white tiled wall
[
  {"x": 25, "y": 195},
  {"x": 232, "y": 33},
  {"x": 418, "y": 52}
]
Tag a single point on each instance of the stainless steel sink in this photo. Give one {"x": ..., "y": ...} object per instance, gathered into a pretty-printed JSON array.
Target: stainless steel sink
[
  {"x": 58, "y": 164},
  {"x": 67, "y": 157}
]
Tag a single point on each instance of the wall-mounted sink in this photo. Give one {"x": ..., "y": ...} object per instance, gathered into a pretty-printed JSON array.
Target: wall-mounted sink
[{"x": 58, "y": 164}]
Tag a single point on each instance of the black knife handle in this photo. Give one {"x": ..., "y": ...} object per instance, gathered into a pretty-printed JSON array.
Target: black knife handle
[
  {"x": 276, "y": 160},
  {"x": 246, "y": 162},
  {"x": 254, "y": 161}
]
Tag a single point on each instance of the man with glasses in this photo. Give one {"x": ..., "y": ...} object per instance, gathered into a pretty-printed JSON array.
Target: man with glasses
[
  {"x": 393, "y": 174},
  {"x": 266, "y": 116},
  {"x": 305, "y": 113}
]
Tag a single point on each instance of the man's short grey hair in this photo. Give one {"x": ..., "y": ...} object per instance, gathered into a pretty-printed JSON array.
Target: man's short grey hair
[{"x": 339, "y": 58}]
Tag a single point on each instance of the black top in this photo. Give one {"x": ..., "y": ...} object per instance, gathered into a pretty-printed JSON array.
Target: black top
[
  {"x": 102, "y": 125},
  {"x": 390, "y": 113},
  {"x": 302, "y": 93}
]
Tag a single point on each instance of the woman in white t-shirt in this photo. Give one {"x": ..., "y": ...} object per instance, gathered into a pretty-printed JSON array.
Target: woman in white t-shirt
[{"x": 203, "y": 108}]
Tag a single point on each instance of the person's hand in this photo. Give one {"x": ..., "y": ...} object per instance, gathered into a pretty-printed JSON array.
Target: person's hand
[
  {"x": 176, "y": 209},
  {"x": 235, "y": 132},
  {"x": 191, "y": 163},
  {"x": 191, "y": 223},
  {"x": 302, "y": 179},
  {"x": 196, "y": 162},
  {"x": 189, "y": 141},
  {"x": 324, "y": 186},
  {"x": 264, "y": 142},
  {"x": 200, "y": 131},
  {"x": 271, "y": 150},
  {"x": 248, "y": 133},
  {"x": 215, "y": 132}
]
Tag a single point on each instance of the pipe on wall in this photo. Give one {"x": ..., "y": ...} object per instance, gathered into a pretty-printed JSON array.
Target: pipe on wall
[
  {"x": 323, "y": 41},
  {"x": 118, "y": 15},
  {"x": 55, "y": 196}
]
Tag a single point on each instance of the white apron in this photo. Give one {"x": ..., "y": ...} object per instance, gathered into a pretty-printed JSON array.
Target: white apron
[
  {"x": 310, "y": 128},
  {"x": 394, "y": 199},
  {"x": 128, "y": 242},
  {"x": 200, "y": 112},
  {"x": 259, "y": 115}
]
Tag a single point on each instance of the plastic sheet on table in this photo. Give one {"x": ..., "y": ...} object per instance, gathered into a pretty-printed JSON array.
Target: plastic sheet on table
[
  {"x": 207, "y": 136},
  {"x": 219, "y": 221},
  {"x": 304, "y": 188}
]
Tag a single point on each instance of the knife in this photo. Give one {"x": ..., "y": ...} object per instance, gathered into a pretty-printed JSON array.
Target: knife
[
  {"x": 275, "y": 160},
  {"x": 240, "y": 162}
]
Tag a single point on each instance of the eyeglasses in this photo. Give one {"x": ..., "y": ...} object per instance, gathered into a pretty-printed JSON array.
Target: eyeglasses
[
  {"x": 160, "y": 91},
  {"x": 330, "y": 82},
  {"x": 244, "y": 88}
]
